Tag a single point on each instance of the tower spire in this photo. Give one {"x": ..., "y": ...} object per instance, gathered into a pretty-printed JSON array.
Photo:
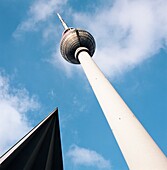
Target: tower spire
[{"x": 62, "y": 21}]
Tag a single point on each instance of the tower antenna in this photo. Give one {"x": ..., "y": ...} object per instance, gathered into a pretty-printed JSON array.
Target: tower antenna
[{"x": 62, "y": 21}]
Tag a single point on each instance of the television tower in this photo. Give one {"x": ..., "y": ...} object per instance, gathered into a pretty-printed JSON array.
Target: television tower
[{"x": 138, "y": 148}]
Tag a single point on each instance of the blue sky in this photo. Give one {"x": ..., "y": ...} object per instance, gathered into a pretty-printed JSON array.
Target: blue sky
[{"x": 35, "y": 79}]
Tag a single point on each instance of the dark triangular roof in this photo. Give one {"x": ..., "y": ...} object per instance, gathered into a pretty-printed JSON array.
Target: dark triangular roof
[{"x": 40, "y": 149}]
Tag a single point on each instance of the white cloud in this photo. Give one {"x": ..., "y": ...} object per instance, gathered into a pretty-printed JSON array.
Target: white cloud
[
  {"x": 40, "y": 15},
  {"x": 40, "y": 11},
  {"x": 127, "y": 33},
  {"x": 86, "y": 157},
  {"x": 14, "y": 103}
]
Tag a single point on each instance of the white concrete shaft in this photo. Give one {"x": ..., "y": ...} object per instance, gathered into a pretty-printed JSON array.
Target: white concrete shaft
[{"x": 138, "y": 148}]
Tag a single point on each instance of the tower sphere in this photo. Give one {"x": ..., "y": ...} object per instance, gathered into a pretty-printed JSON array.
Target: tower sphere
[{"x": 72, "y": 39}]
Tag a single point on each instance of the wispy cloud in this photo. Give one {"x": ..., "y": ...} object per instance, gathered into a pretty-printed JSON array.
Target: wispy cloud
[
  {"x": 40, "y": 11},
  {"x": 14, "y": 103},
  {"x": 127, "y": 33},
  {"x": 40, "y": 17},
  {"x": 85, "y": 157}
]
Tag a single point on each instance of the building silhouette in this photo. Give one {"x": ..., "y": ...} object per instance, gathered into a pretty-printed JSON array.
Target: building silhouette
[{"x": 40, "y": 149}]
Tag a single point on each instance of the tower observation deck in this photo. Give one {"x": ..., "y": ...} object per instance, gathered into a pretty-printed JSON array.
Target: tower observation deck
[
  {"x": 138, "y": 148},
  {"x": 74, "y": 39}
]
